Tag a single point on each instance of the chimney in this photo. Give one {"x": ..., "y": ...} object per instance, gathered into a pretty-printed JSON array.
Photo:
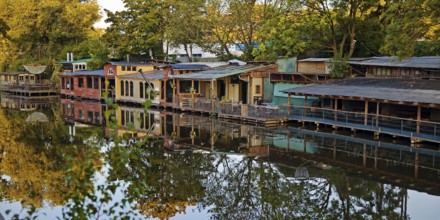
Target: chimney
[
  {"x": 71, "y": 57},
  {"x": 68, "y": 57}
]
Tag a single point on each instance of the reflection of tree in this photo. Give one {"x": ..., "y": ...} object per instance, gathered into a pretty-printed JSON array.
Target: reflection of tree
[
  {"x": 250, "y": 189},
  {"x": 34, "y": 159},
  {"x": 162, "y": 184}
]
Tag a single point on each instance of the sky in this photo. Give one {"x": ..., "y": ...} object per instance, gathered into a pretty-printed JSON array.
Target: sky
[{"x": 112, "y": 5}]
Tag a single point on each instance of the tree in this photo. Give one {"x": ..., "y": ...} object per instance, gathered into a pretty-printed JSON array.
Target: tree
[
  {"x": 186, "y": 25},
  {"x": 39, "y": 30},
  {"x": 139, "y": 29},
  {"x": 408, "y": 22}
]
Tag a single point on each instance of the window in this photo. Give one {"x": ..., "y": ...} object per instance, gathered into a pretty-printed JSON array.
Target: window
[
  {"x": 90, "y": 117},
  {"x": 122, "y": 88},
  {"x": 21, "y": 78},
  {"x": 185, "y": 86},
  {"x": 97, "y": 118},
  {"x": 32, "y": 77},
  {"x": 96, "y": 83},
  {"x": 122, "y": 117},
  {"x": 133, "y": 68},
  {"x": 131, "y": 89},
  {"x": 110, "y": 71},
  {"x": 141, "y": 90},
  {"x": 81, "y": 82},
  {"x": 258, "y": 89},
  {"x": 89, "y": 82},
  {"x": 142, "y": 120},
  {"x": 123, "y": 68},
  {"x": 127, "y": 89},
  {"x": 71, "y": 83},
  {"x": 63, "y": 83},
  {"x": 81, "y": 114}
]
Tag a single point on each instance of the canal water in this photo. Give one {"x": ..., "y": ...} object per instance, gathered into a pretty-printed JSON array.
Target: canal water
[{"x": 63, "y": 160}]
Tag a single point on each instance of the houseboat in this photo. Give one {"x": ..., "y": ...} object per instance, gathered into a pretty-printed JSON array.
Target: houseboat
[
  {"x": 112, "y": 70},
  {"x": 33, "y": 82},
  {"x": 83, "y": 84},
  {"x": 404, "y": 107}
]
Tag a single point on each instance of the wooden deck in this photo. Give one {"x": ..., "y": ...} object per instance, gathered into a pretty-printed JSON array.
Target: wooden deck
[{"x": 266, "y": 115}]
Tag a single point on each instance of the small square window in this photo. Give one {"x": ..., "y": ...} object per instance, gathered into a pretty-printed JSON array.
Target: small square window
[{"x": 258, "y": 89}]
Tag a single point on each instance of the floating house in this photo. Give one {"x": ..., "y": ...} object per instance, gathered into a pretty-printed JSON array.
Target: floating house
[
  {"x": 386, "y": 67},
  {"x": 71, "y": 66},
  {"x": 34, "y": 82},
  {"x": 83, "y": 84},
  {"x": 294, "y": 73},
  {"x": 26, "y": 103},
  {"x": 114, "y": 69},
  {"x": 405, "y": 107},
  {"x": 132, "y": 88}
]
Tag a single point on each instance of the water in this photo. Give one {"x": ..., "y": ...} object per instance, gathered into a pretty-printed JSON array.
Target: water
[{"x": 196, "y": 167}]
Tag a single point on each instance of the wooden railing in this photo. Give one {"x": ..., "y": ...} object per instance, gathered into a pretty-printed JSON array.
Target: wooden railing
[
  {"x": 229, "y": 108},
  {"x": 425, "y": 130}
]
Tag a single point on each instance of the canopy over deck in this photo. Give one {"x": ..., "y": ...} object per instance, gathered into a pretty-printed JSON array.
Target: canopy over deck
[
  {"x": 35, "y": 69},
  {"x": 430, "y": 62},
  {"x": 402, "y": 91},
  {"x": 219, "y": 72}
]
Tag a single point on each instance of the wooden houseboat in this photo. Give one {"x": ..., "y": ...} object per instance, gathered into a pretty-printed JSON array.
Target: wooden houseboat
[
  {"x": 115, "y": 69},
  {"x": 295, "y": 73},
  {"x": 71, "y": 66},
  {"x": 386, "y": 67},
  {"x": 132, "y": 88},
  {"x": 405, "y": 107},
  {"x": 34, "y": 82},
  {"x": 82, "y": 84}
]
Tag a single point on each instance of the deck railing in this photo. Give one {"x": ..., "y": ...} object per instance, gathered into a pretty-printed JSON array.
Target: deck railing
[
  {"x": 378, "y": 123},
  {"x": 229, "y": 108}
]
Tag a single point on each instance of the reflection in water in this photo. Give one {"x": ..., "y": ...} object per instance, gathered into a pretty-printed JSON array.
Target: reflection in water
[{"x": 230, "y": 170}]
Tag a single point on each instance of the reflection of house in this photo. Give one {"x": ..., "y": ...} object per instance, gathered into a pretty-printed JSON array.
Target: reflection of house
[
  {"x": 25, "y": 103},
  {"x": 138, "y": 121},
  {"x": 83, "y": 84},
  {"x": 408, "y": 108},
  {"x": 32, "y": 82},
  {"x": 414, "y": 67},
  {"x": 87, "y": 112},
  {"x": 114, "y": 69}
]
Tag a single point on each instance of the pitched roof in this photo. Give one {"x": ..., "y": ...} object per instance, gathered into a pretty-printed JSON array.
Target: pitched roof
[
  {"x": 432, "y": 62},
  {"x": 77, "y": 61},
  {"x": 189, "y": 66},
  {"x": 151, "y": 75},
  {"x": 123, "y": 63},
  {"x": 85, "y": 73},
  {"x": 219, "y": 72},
  {"x": 401, "y": 90},
  {"x": 315, "y": 60}
]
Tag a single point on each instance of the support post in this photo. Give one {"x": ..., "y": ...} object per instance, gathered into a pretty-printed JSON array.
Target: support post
[
  {"x": 419, "y": 117},
  {"x": 377, "y": 113},
  {"x": 212, "y": 98},
  {"x": 366, "y": 113},
  {"x": 288, "y": 104},
  {"x": 192, "y": 95}
]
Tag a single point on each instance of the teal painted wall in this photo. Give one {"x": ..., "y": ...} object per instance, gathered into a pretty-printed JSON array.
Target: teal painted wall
[{"x": 287, "y": 65}]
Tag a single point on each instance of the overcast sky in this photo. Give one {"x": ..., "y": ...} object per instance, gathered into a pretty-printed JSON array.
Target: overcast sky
[{"x": 112, "y": 5}]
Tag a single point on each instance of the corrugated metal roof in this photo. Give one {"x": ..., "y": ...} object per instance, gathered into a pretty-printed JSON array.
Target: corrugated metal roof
[
  {"x": 315, "y": 60},
  {"x": 85, "y": 73},
  {"x": 151, "y": 75},
  {"x": 398, "y": 90},
  {"x": 189, "y": 66},
  {"x": 77, "y": 61},
  {"x": 432, "y": 62},
  {"x": 132, "y": 64},
  {"x": 219, "y": 72}
]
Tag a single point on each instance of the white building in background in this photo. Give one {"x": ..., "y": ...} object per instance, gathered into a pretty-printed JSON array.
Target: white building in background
[{"x": 198, "y": 53}]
